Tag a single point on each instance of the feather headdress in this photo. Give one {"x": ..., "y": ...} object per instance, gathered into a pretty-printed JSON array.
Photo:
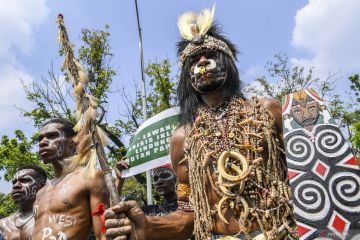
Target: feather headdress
[
  {"x": 194, "y": 27},
  {"x": 85, "y": 109}
]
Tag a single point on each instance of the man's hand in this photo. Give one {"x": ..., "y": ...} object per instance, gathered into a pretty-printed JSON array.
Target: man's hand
[
  {"x": 132, "y": 227},
  {"x": 119, "y": 182}
]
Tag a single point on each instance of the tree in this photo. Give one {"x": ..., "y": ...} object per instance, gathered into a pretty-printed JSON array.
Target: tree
[
  {"x": 14, "y": 153},
  {"x": 7, "y": 206},
  {"x": 355, "y": 115},
  {"x": 17, "y": 152},
  {"x": 283, "y": 80},
  {"x": 160, "y": 96},
  {"x": 51, "y": 97}
]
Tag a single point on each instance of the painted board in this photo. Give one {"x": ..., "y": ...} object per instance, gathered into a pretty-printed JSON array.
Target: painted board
[{"x": 322, "y": 169}]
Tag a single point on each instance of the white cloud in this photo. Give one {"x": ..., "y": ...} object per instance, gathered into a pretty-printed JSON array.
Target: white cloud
[
  {"x": 11, "y": 94},
  {"x": 329, "y": 31},
  {"x": 18, "y": 20}
]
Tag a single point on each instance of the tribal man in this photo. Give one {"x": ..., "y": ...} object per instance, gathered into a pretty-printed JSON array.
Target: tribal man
[
  {"x": 165, "y": 185},
  {"x": 70, "y": 204},
  {"x": 28, "y": 180},
  {"x": 232, "y": 181}
]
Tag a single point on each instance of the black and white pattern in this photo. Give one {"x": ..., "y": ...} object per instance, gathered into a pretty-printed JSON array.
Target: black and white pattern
[{"x": 325, "y": 179}]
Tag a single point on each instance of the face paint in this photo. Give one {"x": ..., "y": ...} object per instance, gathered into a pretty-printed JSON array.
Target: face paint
[
  {"x": 24, "y": 185},
  {"x": 164, "y": 181},
  {"x": 52, "y": 143},
  {"x": 207, "y": 74},
  {"x": 305, "y": 112}
]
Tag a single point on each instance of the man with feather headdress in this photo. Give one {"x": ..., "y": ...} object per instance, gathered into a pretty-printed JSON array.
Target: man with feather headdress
[
  {"x": 232, "y": 181},
  {"x": 71, "y": 203}
]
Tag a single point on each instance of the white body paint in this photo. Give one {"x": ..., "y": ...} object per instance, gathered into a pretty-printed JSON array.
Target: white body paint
[
  {"x": 47, "y": 235},
  {"x": 61, "y": 219},
  {"x": 6, "y": 227}
]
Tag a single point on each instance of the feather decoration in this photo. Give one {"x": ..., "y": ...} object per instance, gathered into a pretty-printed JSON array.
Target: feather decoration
[
  {"x": 83, "y": 76},
  {"x": 91, "y": 165},
  {"x": 80, "y": 122},
  {"x": 92, "y": 100},
  {"x": 79, "y": 89},
  {"x": 84, "y": 143},
  {"x": 105, "y": 140},
  {"x": 185, "y": 22},
  {"x": 90, "y": 114},
  {"x": 205, "y": 20},
  {"x": 85, "y": 110},
  {"x": 192, "y": 24}
]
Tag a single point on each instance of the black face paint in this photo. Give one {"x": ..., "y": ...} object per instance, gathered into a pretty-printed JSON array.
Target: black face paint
[
  {"x": 164, "y": 181},
  {"x": 209, "y": 75}
]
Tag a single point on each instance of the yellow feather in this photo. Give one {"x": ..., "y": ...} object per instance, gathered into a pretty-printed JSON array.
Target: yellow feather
[
  {"x": 91, "y": 165},
  {"x": 84, "y": 144},
  {"x": 205, "y": 20},
  {"x": 79, "y": 89},
  {"x": 103, "y": 136},
  {"x": 78, "y": 114},
  {"x": 90, "y": 113},
  {"x": 92, "y": 99},
  {"x": 83, "y": 77},
  {"x": 185, "y": 22},
  {"x": 79, "y": 124}
]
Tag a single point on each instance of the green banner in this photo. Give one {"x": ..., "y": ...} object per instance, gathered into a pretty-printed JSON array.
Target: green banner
[{"x": 150, "y": 146}]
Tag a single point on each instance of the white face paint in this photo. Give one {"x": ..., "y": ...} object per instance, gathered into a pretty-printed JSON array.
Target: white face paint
[
  {"x": 52, "y": 142},
  {"x": 24, "y": 186},
  {"x": 210, "y": 66}
]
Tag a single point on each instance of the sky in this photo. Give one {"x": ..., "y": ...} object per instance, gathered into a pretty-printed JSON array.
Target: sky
[{"x": 323, "y": 34}]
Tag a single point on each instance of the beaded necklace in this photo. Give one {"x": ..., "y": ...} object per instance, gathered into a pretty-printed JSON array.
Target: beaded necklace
[{"x": 228, "y": 141}]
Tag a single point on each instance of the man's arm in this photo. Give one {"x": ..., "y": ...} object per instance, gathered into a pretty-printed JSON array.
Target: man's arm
[
  {"x": 177, "y": 225},
  {"x": 99, "y": 200}
]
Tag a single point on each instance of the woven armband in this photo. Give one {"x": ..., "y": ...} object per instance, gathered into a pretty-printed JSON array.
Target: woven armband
[{"x": 185, "y": 206}]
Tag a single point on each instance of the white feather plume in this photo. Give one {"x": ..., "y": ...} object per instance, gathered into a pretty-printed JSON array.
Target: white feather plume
[{"x": 202, "y": 21}]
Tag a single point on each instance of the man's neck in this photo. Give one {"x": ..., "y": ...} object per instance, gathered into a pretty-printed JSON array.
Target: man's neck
[
  {"x": 26, "y": 209},
  {"x": 58, "y": 168},
  {"x": 213, "y": 99}
]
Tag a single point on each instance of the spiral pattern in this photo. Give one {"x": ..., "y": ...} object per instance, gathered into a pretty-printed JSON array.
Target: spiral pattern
[
  {"x": 329, "y": 141},
  {"x": 299, "y": 150},
  {"x": 344, "y": 190},
  {"x": 311, "y": 196}
]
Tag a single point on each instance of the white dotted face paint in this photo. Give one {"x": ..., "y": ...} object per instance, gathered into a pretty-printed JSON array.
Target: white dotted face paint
[{"x": 24, "y": 186}]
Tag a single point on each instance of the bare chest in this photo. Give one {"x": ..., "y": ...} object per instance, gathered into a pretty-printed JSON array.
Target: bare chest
[
  {"x": 62, "y": 203},
  {"x": 16, "y": 231}
]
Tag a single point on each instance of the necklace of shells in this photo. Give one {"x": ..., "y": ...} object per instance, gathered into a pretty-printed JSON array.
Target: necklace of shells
[{"x": 228, "y": 141}]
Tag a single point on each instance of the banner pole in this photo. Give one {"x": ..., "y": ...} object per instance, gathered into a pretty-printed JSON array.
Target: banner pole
[{"x": 143, "y": 97}]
